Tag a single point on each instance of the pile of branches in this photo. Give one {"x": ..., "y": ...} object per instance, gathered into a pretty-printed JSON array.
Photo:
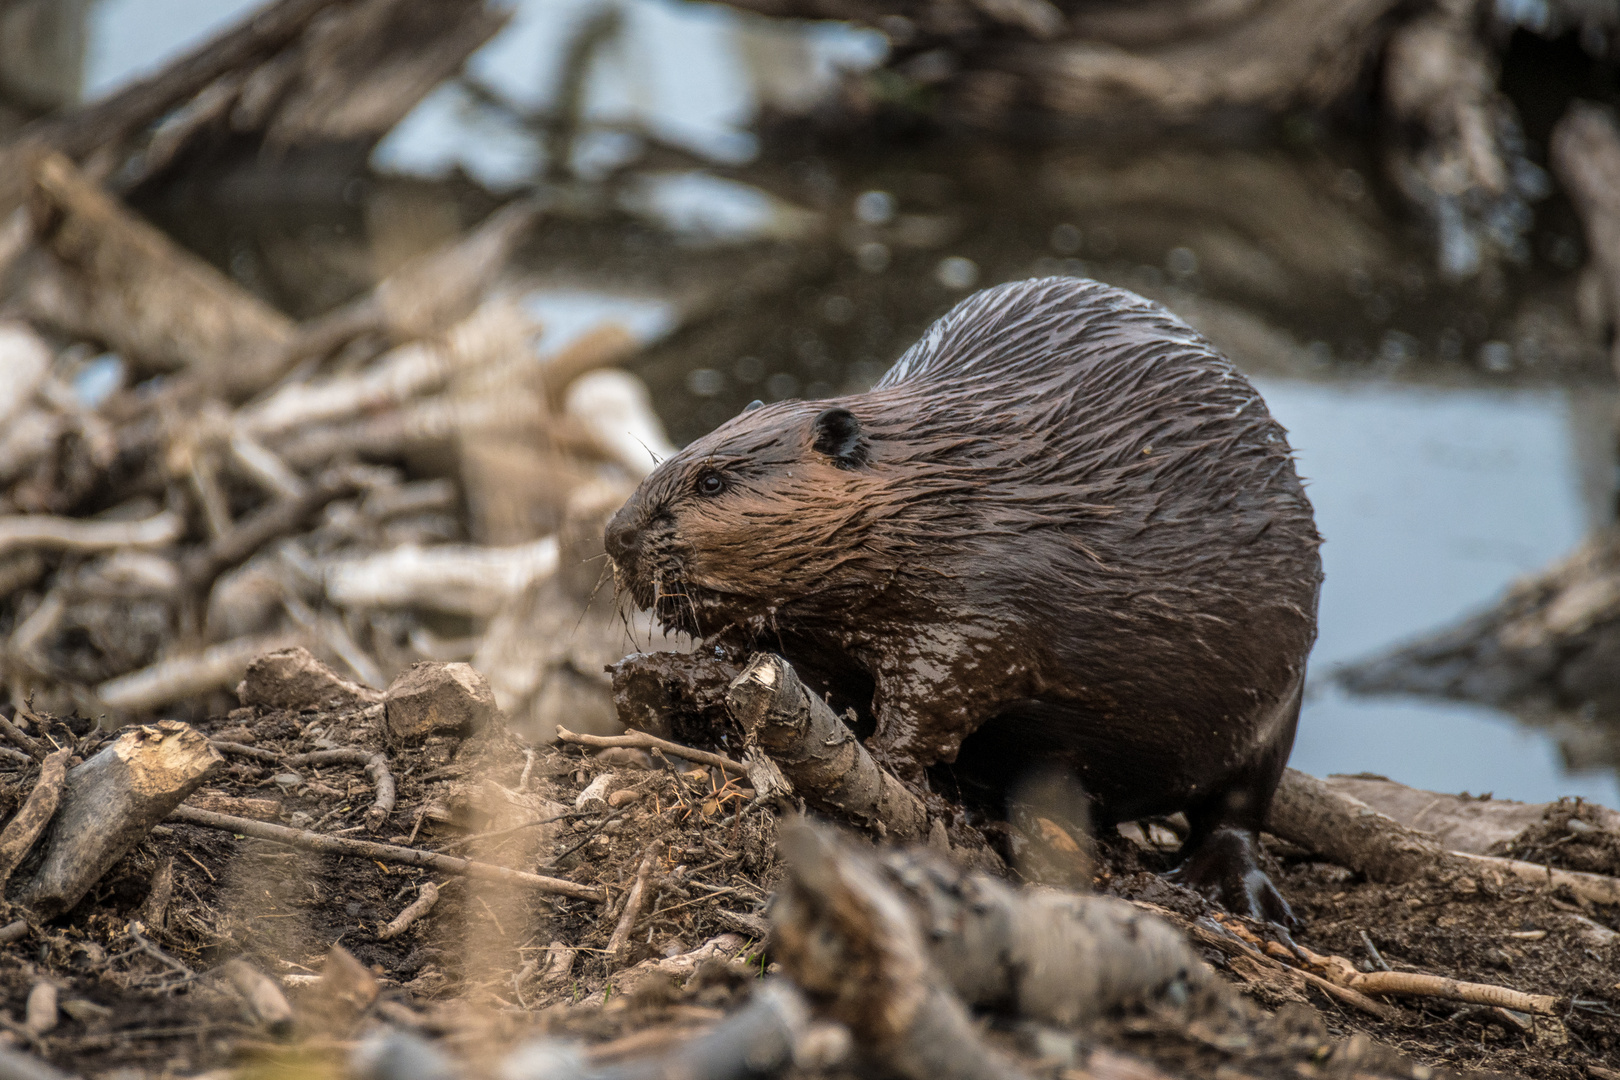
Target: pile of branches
[{"x": 190, "y": 478}]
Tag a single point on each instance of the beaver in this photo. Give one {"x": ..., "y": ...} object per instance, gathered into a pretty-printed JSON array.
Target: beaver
[{"x": 1062, "y": 531}]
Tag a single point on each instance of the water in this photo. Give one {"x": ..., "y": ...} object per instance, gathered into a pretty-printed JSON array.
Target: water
[
  {"x": 1433, "y": 493},
  {"x": 1431, "y": 502}
]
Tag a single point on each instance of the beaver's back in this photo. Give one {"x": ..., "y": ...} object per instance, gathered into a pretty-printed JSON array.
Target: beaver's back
[{"x": 1102, "y": 472}]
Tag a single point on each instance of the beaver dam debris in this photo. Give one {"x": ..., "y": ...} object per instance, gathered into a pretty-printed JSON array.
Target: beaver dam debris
[{"x": 325, "y": 748}]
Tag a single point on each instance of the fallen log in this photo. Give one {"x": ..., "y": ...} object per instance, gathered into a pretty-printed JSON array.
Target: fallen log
[
  {"x": 110, "y": 802},
  {"x": 1346, "y": 831},
  {"x": 366, "y": 849},
  {"x": 818, "y": 754},
  {"x": 848, "y": 929}
]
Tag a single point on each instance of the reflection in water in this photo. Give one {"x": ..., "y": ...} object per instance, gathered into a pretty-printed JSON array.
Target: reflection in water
[{"x": 1432, "y": 497}]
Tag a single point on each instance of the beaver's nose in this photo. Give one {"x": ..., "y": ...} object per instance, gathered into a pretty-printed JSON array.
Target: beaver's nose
[{"x": 622, "y": 539}]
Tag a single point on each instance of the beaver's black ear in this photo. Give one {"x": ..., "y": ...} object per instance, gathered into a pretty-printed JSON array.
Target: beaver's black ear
[{"x": 838, "y": 435}]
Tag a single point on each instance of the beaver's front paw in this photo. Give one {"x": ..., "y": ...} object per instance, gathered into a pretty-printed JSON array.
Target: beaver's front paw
[{"x": 1225, "y": 868}]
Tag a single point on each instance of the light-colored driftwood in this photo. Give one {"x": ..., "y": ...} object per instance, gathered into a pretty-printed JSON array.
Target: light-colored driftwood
[
  {"x": 72, "y": 534},
  {"x": 341, "y": 845},
  {"x": 180, "y": 677},
  {"x": 494, "y": 331},
  {"x": 614, "y": 408},
  {"x": 28, "y": 822},
  {"x": 1596, "y": 888},
  {"x": 1347, "y": 831},
  {"x": 25, "y": 359},
  {"x": 110, "y": 802},
  {"x": 446, "y": 577},
  {"x": 818, "y": 754}
]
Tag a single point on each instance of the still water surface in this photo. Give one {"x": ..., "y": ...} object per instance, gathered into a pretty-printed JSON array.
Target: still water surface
[{"x": 1432, "y": 498}]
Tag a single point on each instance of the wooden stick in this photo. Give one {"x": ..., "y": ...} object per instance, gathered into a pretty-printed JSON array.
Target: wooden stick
[
  {"x": 632, "y": 908},
  {"x": 31, "y": 747},
  {"x": 1418, "y": 984},
  {"x": 366, "y": 849},
  {"x": 426, "y": 897},
  {"x": 640, "y": 740},
  {"x": 26, "y": 824},
  {"x": 1597, "y": 888},
  {"x": 264, "y": 525},
  {"x": 73, "y": 534},
  {"x": 117, "y": 117}
]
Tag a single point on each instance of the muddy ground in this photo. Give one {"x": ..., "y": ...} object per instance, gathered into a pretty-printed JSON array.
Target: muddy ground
[{"x": 491, "y": 966}]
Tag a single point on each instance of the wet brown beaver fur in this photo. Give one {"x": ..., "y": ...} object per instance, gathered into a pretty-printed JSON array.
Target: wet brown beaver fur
[{"x": 1062, "y": 530}]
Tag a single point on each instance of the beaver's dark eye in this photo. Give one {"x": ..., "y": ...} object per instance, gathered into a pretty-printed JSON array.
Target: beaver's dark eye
[{"x": 710, "y": 484}]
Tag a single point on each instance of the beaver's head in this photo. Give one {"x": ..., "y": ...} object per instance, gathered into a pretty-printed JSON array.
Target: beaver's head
[{"x": 774, "y": 510}]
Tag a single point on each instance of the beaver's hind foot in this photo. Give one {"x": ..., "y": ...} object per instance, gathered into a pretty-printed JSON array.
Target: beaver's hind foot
[{"x": 1225, "y": 868}]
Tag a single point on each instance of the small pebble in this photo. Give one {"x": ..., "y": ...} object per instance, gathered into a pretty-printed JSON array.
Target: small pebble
[{"x": 287, "y": 779}]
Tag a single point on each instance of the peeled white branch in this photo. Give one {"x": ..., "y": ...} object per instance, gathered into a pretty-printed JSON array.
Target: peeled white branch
[
  {"x": 458, "y": 578},
  {"x": 495, "y": 330},
  {"x": 71, "y": 534}
]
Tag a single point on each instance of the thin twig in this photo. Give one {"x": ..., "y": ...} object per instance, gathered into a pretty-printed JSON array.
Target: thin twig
[
  {"x": 366, "y": 849},
  {"x": 426, "y": 897},
  {"x": 1372, "y": 951},
  {"x": 632, "y": 906},
  {"x": 640, "y": 740}
]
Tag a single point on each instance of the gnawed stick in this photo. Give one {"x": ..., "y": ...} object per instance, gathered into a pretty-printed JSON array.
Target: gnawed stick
[
  {"x": 72, "y": 534},
  {"x": 367, "y": 849},
  {"x": 110, "y": 802},
  {"x": 1420, "y": 984},
  {"x": 817, "y": 753},
  {"x": 632, "y": 907},
  {"x": 640, "y": 740},
  {"x": 26, "y": 825},
  {"x": 266, "y": 524},
  {"x": 426, "y": 897}
]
